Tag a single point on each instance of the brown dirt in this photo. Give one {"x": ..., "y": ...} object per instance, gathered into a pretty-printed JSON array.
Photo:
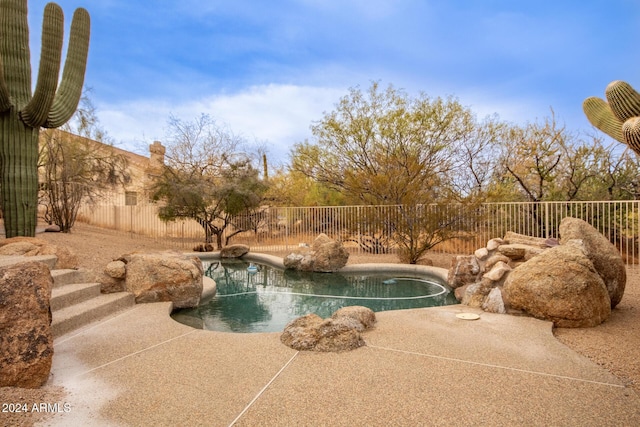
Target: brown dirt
[{"x": 612, "y": 345}]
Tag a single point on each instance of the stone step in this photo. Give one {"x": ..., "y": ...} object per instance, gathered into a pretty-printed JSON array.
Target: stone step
[
  {"x": 82, "y": 314},
  {"x": 69, "y": 276},
  {"x": 68, "y": 295}
]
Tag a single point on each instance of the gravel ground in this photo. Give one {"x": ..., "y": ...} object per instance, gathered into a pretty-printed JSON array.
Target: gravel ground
[{"x": 613, "y": 345}]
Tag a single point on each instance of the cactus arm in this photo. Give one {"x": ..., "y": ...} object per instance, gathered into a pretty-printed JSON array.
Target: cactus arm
[
  {"x": 35, "y": 113},
  {"x": 631, "y": 131},
  {"x": 599, "y": 115},
  {"x": 14, "y": 50},
  {"x": 70, "y": 90},
  {"x": 623, "y": 100}
]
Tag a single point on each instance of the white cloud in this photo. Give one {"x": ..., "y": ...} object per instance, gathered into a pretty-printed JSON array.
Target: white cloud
[{"x": 279, "y": 115}]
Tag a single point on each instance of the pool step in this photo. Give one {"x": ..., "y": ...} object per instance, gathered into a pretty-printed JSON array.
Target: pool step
[{"x": 76, "y": 302}]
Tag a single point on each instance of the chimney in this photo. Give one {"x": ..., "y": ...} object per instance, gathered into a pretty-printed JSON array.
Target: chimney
[{"x": 156, "y": 157}]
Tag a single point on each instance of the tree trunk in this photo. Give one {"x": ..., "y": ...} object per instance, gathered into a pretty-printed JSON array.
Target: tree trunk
[
  {"x": 18, "y": 175},
  {"x": 219, "y": 240}
]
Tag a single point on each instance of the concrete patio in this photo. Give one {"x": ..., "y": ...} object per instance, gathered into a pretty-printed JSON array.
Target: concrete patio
[{"x": 420, "y": 367}]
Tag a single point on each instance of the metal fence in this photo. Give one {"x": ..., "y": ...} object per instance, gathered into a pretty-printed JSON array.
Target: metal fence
[{"x": 372, "y": 228}]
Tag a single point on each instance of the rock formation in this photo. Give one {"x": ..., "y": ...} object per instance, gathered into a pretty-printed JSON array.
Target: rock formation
[
  {"x": 560, "y": 285},
  {"x": 324, "y": 256},
  {"x": 340, "y": 332},
  {"x": 604, "y": 255},
  {"x": 567, "y": 282},
  {"x": 25, "y": 325},
  {"x": 32, "y": 246},
  {"x": 156, "y": 277},
  {"x": 234, "y": 251}
]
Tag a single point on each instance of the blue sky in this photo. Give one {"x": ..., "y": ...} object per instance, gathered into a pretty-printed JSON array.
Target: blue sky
[{"x": 268, "y": 69}]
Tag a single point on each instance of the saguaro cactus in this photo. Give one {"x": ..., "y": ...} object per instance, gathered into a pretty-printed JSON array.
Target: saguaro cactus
[
  {"x": 22, "y": 113},
  {"x": 619, "y": 116}
]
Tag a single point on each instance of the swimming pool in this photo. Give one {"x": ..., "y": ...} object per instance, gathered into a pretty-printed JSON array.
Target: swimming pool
[{"x": 267, "y": 298}]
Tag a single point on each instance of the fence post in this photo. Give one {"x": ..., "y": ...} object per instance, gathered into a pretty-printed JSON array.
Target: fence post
[{"x": 546, "y": 220}]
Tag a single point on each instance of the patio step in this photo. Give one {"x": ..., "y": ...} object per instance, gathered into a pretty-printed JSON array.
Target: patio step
[
  {"x": 69, "y": 276},
  {"x": 84, "y": 312},
  {"x": 76, "y": 301}
]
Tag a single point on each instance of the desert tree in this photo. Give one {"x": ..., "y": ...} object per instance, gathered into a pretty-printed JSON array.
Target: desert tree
[
  {"x": 208, "y": 178},
  {"x": 78, "y": 164},
  {"x": 383, "y": 147}
]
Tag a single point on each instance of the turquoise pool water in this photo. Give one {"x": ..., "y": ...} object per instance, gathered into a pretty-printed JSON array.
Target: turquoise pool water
[{"x": 267, "y": 299}]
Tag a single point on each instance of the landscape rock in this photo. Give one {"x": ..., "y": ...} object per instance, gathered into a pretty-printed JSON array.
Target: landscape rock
[
  {"x": 340, "y": 332},
  {"x": 364, "y": 316},
  {"x": 560, "y": 285},
  {"x": 324, "y": 256},
  {"x": 32, "y": 246},
  {"x": 476, "y": 293},
  {"x": 164, "y": 276},
  {"x": 203, "y": 247},
  {"x": 109, "y": 285},
  {"x": 335, "y": 335},
  {"x": 519, "y": 251},
  {"x": 113, "y": 278},
  {"x": 330, "y": 256},
  {"x": 300, "y": 334},
  {"x": 116, "y": 269},
  {"x": 494, "y": 302},
  {"x": 21, "y": 248},
  {"x": 234, "y": 251},
  {"x": 26, "y": 339},
  {"x": 320, "y": 240},
  {"x": 493, "y": 244},
  {"x": 499, "y": 269},
  {"x": 511, "y": 238},
  {"x": 603, "y": 254},
  {"x": 66, "y": 258},
  {"x": 494, "y": 259},
  {"x": 481, "y": 253},
  {"x": 53, "y": 228},
  {"x": 464, "y": 270}
]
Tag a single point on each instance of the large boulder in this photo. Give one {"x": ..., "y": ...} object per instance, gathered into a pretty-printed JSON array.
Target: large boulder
[
  {"x": 234, "y": 251},
  {"x": 603, "y": 254},
  {"x": 32, "y": 246},
  {"x": 324, "y": 256},
  {"x": 340, "y": 332},
  {"x": 364, "y": 317},
  {"x": 560, "y": 285},
  {"x": 25, "y": 325},
  {"x": 164, "y": 276},
  {"x": 330, "y": 256}
]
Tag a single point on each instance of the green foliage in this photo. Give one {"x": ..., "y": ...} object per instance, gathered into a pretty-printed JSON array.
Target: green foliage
[
  {"x": 383, "y": 147},
  {"x": 207, "y": 179},
  {"x": 292, "y": 188},
  {"x": 22, "y": 113}
]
